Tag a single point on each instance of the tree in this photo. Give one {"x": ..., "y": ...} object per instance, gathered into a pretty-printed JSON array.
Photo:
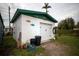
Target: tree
[
  {"x": 66, "y": 26},
  {"x": 70, "y": 22},
  {"x": 67, "y": 23},
  {"x": 46, "y": 6},
  {"x": 77, "y": 25},
  {"x": 63, "y": 25}
]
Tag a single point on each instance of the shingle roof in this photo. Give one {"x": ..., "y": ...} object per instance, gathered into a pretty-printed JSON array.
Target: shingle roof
[{"x": 37, "y": 14}]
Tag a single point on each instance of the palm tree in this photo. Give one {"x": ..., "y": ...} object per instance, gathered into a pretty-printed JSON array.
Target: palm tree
[{"x": 46, "y": 6}]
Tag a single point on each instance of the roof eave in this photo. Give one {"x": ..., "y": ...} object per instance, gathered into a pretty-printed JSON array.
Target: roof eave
[{"x": 20, "y": 11}]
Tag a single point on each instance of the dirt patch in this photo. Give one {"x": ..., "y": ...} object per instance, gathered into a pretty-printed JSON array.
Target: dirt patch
[{"x": 55, "y": 49}]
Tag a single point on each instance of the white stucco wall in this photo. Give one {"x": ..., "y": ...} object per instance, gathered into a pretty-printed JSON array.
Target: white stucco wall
[
  {"x": 24, "y": 25},
  {"x": 29, "y": 31},
  {"x": 17, "y": 28}
]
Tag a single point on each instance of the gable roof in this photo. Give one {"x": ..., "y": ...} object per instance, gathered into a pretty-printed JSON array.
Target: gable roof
[{"x": 41, "y": 15}]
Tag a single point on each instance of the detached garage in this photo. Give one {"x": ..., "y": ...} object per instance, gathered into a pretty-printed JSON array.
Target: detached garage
[{"x": 27, "y": 24}]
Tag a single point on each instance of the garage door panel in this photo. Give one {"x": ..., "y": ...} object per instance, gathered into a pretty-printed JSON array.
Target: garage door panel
[{"x": 46, "y": 30}]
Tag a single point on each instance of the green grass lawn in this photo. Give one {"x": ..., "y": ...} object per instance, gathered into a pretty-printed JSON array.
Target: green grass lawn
[
  {"x": 25, "y": 52},
  {"x": 72, "y": 41},
  {"x": 9, "y": 42},
  {"x": 9, "y": 48}
]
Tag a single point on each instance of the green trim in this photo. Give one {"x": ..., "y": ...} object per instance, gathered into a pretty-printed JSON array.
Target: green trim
[{"x": 41, "y": 15}]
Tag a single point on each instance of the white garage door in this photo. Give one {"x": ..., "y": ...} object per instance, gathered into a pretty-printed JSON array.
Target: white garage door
[{"x": 46, "y": 31}]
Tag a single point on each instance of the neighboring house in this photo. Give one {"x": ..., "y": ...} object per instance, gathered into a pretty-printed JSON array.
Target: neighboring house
[
  {"x": 6, "y": 29},
  {"x": 1, "y": 29},
  {"x": 76, "y": 29},
  {"x": 55, "y": 30},
  {"x": 27, "y": 24}
]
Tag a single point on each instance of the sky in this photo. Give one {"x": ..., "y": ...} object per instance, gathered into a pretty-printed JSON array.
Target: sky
[{"x": 59, "y": 11}]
